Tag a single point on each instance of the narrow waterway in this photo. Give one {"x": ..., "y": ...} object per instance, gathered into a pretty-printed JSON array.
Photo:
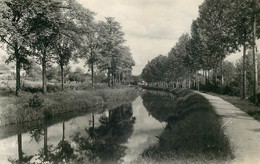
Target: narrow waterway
[{"x": 117, "y": 135}]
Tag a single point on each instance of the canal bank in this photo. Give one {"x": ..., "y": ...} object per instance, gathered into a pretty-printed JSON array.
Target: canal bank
[
  {"x": 193, "y": 133},
  {"x": 30, "y": 107}
]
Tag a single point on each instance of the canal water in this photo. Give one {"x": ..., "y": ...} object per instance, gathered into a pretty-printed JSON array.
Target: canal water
[{"x": 117, "y": 135}]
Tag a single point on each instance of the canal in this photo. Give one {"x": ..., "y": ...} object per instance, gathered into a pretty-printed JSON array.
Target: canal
[
  {"x": 117, "y": 135},
  {"x": 156, "y": 126}
]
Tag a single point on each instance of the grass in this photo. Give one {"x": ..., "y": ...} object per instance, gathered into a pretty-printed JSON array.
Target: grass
[
  {"x": 192, "y": 135},
  {"x": 74, "y": 99},
  {"x": 244, "y": 105}
]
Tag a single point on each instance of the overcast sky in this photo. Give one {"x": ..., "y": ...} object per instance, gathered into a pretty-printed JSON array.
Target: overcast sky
[{"x": 151, "y": 27}]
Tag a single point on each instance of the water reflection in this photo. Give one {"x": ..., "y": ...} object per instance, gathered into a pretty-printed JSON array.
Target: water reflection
[
  {"x": 159, "y": 104},
  {"x": 105, "y": 143},
  {"x": 114, "y": 136}
]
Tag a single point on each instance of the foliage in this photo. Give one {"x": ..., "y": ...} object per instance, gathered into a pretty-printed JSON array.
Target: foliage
[
  {"x": 36, "y": 102},
  {"x": 222, "y": 27},
  {"x": 78, "y": 75},
  {"x": 155, "y": 70}
]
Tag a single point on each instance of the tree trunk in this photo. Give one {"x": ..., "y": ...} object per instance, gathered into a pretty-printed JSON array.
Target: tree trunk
[
  {"x": 244, "y": 73},
  {"x": 113, "y": 80},
  {"x": 44, "y": 87},
  {"x": 93, "y": 121},
  {"x": 216, "y": 74},
  {"x": 63, "y": 131},
  {"x": 108, "y": 77},
  {"x": 62, "y": 77},
  {"x": 20, "y": 150},
  {"x": 18, "y": 76},
  {"x": 221, "y": 68},
  {"x": 197, "y": 81},
  {"x": 18, "y": 69},
  {"x": 255, "y": 88},
  {"x": 189, "y": 83},
  {"x": 92, "y": 75}
]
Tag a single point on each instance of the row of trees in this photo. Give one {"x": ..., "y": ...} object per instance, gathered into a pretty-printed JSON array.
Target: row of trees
[
  {"x": 60, "y": 31},
  {"x": 223, "y": 27}
]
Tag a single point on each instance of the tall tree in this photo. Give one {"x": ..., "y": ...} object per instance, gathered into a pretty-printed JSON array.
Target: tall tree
[
  {"x": 89, "y": 34},
  {"x": 113, "y": 38},
  {"x": 243, "y": 21},
  {"x": 217, "y": 35},
  {"x": 45, "y": 23},
  {"x": 92, "y": 47},
  {"x": 155, "y": 71},
  {"x": 13, "y": 14}
]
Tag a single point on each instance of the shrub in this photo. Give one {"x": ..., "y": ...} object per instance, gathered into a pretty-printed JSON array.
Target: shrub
[
  {"x": 53, "y": 88},
  {"x": 47, "y": 113},
  {"x": 35, "y": 102}
]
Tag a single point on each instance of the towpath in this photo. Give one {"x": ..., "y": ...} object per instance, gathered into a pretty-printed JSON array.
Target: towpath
[{"x": 242, "y": 130}]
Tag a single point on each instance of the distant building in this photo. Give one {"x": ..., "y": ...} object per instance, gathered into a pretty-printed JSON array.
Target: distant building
[{"x": 5, "y": 71}]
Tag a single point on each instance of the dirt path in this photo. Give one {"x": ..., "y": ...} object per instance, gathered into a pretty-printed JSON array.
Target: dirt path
[{"x": 242, "y": 130}]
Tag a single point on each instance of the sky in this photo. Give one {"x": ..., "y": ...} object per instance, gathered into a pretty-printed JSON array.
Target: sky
[{"x": 151, "y": 27}]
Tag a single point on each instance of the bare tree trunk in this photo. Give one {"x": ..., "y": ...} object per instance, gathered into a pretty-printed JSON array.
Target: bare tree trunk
[
  {"x": 18, "y": 76},
  {"x": 255, "y": 88},
  {"x": 44, "y": 87},
  {"x": 197, "y": 81},
  {"x": 216, "y": 74},
  {"x": 62, "y": 77},
  {"x": 244, "y": 73},
  {"x": 92, "y": 75},
  {"x": 108, "y": 76},
  {"x": 18, "y": 70},
  {"x": 93, "y": 121},
  {"x": 222, "y": 76},
  {"x": 189, "y": 83},
  {"x": 113, "y": 80}
]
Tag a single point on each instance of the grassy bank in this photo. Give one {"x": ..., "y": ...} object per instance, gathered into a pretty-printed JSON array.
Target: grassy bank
[
  {"x": 193, "y": 134},
  {"x": 244, "y": 105},
  {"x": 29, "y": 106}
]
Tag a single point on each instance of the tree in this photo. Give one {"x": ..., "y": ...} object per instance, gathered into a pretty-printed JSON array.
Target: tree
[
  {"x": 52, "y": 73},
  {"x": 88, "y": 33},
  {"x": 92, "y": 47},
  {"x": 33, "y": 70},
  {"x": 77, "y": 75},
  {"x": 13, "y": 14},
  {"x": 155, "y": 70},
  {"x": 216, "y": 33},
  {"x": 113, "y": 39},
  {"x": 244, "y": 16},
  {"x": 45, "y": 22}
]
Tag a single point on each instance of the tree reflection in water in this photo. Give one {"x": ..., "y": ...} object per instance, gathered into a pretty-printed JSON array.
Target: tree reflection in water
[
  {"x": 100, "y": 144},
  {"x": 63, "y": 152},
  {"x": 105, "y": 143},
  {"x": 22, "y": 157},
  {"x": 161, "y": 105}
]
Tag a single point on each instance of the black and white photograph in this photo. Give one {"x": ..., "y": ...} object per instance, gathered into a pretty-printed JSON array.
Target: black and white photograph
[{"x": 129, "y": 82}]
